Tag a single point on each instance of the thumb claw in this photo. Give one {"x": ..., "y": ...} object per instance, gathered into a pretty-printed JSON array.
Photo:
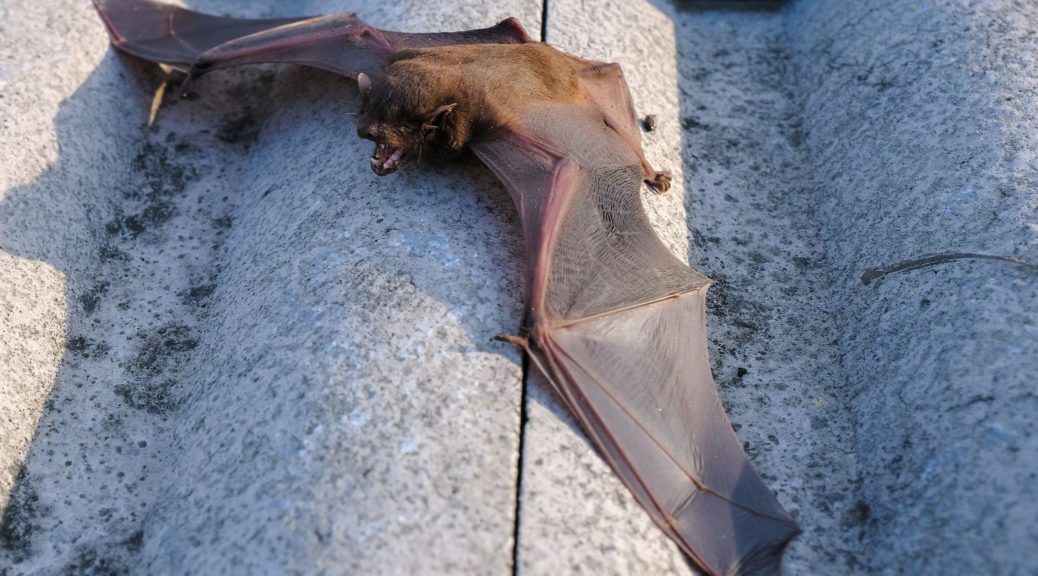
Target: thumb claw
[{"x": 517, "y": 341}]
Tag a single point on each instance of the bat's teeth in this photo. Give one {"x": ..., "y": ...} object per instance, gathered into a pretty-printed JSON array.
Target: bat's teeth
[{"x": 384, "y": 162}]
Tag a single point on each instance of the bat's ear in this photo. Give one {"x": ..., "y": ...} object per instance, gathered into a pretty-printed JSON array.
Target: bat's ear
[
  {"x": 435, "y": 118},
  {"x": 364, "y": 83}
]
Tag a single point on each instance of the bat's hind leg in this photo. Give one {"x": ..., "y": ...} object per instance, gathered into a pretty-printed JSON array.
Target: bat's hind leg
[
  {"x": 606, "y": 86},
  {"x": 657, "y": 180}
]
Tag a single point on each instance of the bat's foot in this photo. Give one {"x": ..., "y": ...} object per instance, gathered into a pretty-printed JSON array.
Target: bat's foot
[{"x": 660, "y": 181}]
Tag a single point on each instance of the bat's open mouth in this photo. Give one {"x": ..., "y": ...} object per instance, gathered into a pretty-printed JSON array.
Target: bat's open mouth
[{"x": 386, "y": 160}]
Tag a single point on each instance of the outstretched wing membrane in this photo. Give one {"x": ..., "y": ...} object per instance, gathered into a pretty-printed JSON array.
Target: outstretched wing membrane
[
  {"x": 340, "y": 43},
  {"x": 617, "y": 324}
]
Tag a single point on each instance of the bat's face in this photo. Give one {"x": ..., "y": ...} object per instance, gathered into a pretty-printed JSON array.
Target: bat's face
[
  {"x": 395, "y": 144},
  {"x": 400, "y": 136},
  {"x": 402, "y": 121}
]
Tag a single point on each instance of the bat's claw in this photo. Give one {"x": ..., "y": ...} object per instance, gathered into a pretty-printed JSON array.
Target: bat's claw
[
  {"x": 660, "y": 182},
  {"x": 517, "y": 341},
  {"x": 184, "y": 84}
]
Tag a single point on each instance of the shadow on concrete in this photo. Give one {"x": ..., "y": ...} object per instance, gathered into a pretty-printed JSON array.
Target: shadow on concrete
[
  {"x": 58, "y": 219},
  {"x": 137, "y": 220}
]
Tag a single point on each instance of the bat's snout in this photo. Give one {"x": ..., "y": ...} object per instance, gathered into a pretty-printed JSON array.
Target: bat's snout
[{"x": 386, "y": 160}]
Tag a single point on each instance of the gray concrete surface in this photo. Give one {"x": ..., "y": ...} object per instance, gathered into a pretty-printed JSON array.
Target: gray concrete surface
[
  {"x": 226, "y": 346},
  {"x": 233, "y": 347},
  {"x": 919, "y": 123}
]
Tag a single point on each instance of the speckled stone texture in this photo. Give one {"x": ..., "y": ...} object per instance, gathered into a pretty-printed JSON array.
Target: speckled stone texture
[
  {"x": 820, "y": 140},
  {"x": 227, "y": 347},
  {"x": 920, "y": 123}
]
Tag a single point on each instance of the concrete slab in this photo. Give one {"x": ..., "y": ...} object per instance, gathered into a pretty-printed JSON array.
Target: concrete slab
[
  {"x": 920, "y": 123},
  {"x": 753, "y": 230},
  {"x": 254, "y": 355},
  {"x": 717, "y": 81}
]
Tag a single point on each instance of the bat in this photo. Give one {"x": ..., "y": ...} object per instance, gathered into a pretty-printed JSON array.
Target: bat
[{"x": 613, "y": 320}]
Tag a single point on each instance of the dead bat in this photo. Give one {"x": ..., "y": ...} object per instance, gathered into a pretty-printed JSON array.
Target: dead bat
[{"x": 613, "y": 320}]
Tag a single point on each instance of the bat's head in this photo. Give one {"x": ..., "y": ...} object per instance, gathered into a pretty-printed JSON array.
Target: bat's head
[{"x": 400, "y": 124}]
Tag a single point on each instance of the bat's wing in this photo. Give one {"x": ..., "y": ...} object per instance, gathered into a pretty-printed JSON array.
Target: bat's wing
[
  {"x": 617, "y": 324},
  {"x": 339, "y": 43}
]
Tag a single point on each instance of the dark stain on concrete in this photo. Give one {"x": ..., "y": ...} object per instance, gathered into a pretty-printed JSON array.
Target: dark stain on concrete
[
  {"x": 19, "y": 521},
  {"x": 90, "y": 299},
  {"x": 240, "y": 130},
  {"x": 151, "y": 388},
  {"x": 197, "y": 294},
  {"x": 95, "y": 562}
]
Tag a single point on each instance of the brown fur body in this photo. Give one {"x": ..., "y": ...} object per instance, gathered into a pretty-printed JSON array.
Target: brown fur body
[
  {"x": 490, "y": 84},
  {"x": 440, "y": 99}
]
